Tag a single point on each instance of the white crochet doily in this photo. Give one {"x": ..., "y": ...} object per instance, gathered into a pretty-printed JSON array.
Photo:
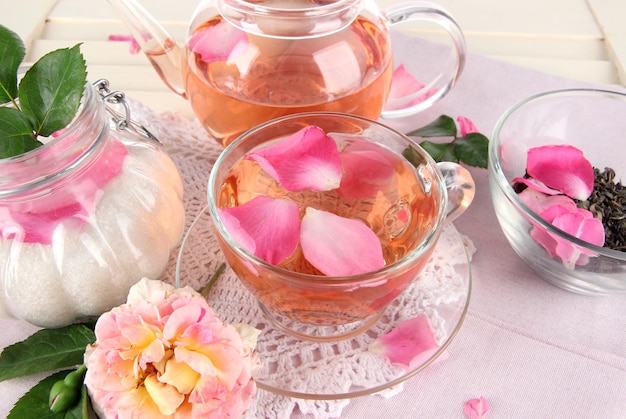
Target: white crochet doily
[{"x": 322, "y": 375}]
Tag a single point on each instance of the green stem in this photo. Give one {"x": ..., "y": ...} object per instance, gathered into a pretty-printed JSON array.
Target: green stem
[{"x": 220, "y": 270}]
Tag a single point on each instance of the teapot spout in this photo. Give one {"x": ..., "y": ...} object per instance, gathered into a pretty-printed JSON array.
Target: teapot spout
[{"x": 162, "y": 51}]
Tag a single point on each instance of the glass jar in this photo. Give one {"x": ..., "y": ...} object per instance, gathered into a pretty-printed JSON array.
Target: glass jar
[{"x": 86, "y": 216}]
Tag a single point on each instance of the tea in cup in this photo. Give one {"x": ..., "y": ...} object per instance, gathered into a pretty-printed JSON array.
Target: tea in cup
[{"x": 326, "y": 222}]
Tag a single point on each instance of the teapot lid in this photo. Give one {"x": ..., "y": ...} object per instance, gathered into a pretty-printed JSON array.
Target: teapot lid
[{"x": 289, "y": 18}]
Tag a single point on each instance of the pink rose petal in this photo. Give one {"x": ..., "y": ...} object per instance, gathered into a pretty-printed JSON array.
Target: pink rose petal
[
  {"x": 575, "y": 221},
  {"x": 308, "y": 159},
  {"x": 476, "y": 408},
  {"x": 410, "y": 344},
  {"x": 367, "y": 167},
  {"x": 339, "y": 246},
  {"x": 403, "y": 85},
  {"x": 466, "y": 126},
  {"x": 586, "y": 228},
  {"x": 134, "y": 45},
  {"x": 219, "y": 43},
  {"x": 266, "y": 227},
  {"x": 539, "y": 202},
  {"x": 537, "y": 186},
  {"x": 562, "y": 167}
]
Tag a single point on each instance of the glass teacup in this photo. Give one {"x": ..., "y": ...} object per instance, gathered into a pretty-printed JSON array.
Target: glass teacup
[{"x": 406, "y": 210}]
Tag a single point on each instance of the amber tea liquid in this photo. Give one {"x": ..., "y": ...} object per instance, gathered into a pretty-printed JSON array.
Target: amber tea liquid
[
  {"x": 348, "y": 71},
  {"x": 399, "y": 212}
]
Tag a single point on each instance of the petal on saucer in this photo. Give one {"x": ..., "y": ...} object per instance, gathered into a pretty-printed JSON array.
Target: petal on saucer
[
  {"x": 308, "y": 159},
  {"x": 339, "y": 246},
  {"x": 410, "y": 344},
  {"x": 266, "y": 227}
]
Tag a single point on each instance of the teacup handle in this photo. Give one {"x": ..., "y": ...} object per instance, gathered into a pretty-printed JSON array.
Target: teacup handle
[
  {"x": 460, "y": 186},
  {"x": 437, "y": 88}
]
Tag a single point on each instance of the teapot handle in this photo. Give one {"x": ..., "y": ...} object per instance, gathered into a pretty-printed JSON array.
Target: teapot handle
[{"x": 436, "y": 89}]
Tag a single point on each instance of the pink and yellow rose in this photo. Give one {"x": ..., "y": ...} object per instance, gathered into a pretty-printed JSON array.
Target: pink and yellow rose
[{"x": 164, "y": 354}]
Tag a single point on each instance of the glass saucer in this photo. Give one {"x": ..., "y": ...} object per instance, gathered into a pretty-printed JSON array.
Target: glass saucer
[{"x": 305, "y": 369}]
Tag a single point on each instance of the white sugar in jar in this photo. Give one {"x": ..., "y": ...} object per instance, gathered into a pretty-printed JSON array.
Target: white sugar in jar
[{"x": 84, "y": 217}]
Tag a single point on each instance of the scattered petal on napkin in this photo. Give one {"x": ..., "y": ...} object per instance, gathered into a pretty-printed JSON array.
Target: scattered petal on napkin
[{"x": 476, "y": 408}]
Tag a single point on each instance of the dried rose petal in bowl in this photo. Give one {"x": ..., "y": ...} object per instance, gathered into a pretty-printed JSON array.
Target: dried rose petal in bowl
[{"x": 545, "y": 189}]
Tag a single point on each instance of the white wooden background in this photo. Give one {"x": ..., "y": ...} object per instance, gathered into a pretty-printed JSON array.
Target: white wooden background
[{"x": 578, "y": 39}]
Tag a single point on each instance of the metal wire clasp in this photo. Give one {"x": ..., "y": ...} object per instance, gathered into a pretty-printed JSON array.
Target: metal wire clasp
[{"x": 122, "y": 121}]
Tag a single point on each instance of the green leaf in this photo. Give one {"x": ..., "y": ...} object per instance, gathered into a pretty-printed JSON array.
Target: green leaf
[
  {"x": 16, "y": 133},
  {"x": 472, "y": 149},
  {"x": 12, "y": 52},
  {"x": 34, "y": 404},
  {"x": 46, "y": 350},
  {"x": 440, "y": 151},
  {"x": 444, "y": 126},
  {"x": 51, "y": 89},
  {"x": 413, "y": 156}
]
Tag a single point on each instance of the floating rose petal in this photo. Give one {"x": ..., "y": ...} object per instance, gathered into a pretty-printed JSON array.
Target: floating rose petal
[
  {"x": 264, "y": 226},
  {"x": 411, "y": 343},
  {"x": 308, "y": 159},
  {"x": 476, "y": 408},
  {"x": 219, "y": 43},
  {"x": 339, "y": 246},
  {"x": 367, "y": 168},
  {"x": 562, "y": 167},
  {"x": 466, "y": 126}
]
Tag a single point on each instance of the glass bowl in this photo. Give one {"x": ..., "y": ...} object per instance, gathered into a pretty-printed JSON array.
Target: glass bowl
[{"x": 591, "y": 120}]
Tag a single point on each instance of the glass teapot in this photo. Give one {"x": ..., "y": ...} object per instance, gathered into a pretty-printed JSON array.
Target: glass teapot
[{"x": 245, "y": 62}]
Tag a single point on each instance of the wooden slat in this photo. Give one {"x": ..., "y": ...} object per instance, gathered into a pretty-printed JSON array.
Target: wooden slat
[
  {"x": 543, "y": 17},
  {"x": 96, "y": 30},
  {"x": 611, "y": 18},
  {"x": 26, "y": 18},
  {"x": 165, "y": 11},
  {"x": 561, "y": 37},
  {"x": 556, "y": 36}
]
